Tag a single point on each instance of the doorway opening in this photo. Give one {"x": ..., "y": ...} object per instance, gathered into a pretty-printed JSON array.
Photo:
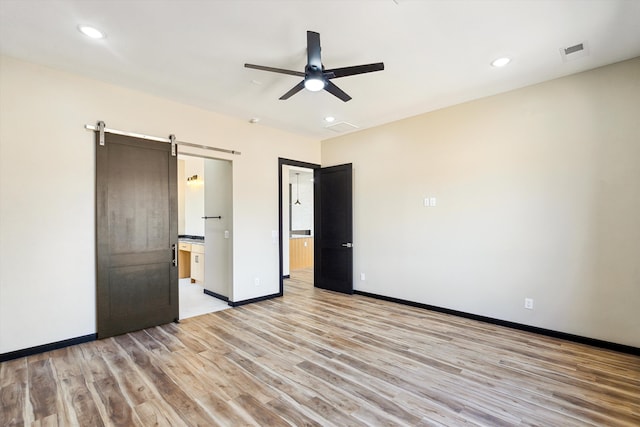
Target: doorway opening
[
  {"x": 296, "y": 197},
  {"x": 205, "y": 234}
]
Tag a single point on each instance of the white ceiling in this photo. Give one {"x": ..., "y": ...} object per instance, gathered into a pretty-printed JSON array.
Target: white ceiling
[{"x": 436, "y": 53}]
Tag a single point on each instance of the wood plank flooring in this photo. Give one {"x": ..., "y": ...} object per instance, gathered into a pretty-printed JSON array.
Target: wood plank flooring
[{"x": 316, "y": 358}]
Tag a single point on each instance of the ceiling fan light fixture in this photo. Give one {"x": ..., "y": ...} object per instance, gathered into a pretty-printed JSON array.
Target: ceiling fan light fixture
[{"x": 314, "y": 84}]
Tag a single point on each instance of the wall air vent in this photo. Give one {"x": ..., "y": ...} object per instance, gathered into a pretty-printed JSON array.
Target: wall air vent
[
  {"x": 576, "y": 51},
  {"x": 341, "y": 127}
]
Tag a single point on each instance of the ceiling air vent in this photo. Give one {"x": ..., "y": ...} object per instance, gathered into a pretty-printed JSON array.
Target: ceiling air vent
[
  {"x": 573, "y": 49},
  {"x": 341, "y": 127},
  {"x": 574, "y": 52}
]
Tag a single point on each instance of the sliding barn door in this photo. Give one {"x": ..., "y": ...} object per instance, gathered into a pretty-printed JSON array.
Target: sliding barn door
[{"x": 136, "y": 232}]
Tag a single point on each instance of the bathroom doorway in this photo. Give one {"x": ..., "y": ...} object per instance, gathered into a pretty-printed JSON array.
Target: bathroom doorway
[{"x": 205, "y": 233}]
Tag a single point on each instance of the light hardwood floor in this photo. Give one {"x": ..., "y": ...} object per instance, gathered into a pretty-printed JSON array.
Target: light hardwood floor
[{"x": 318, "y": 358}]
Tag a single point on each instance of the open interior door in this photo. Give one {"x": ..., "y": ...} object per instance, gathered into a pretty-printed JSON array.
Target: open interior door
[{"x": 333, "y": 227}]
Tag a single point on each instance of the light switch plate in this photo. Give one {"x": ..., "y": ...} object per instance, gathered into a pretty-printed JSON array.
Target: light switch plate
[{"x": 528, "y": 303}]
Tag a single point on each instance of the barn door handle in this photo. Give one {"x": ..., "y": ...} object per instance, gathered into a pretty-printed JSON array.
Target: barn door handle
[
  {"x": 347, "y": 245},
  {"x": 174, "y": 249},
  {"x": 212, "y": 217}
]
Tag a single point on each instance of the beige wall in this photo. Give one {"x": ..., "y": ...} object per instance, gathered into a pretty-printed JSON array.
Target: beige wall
[
  {"x": 538, "y": 195},
  {"x": 47, "y": 251}
]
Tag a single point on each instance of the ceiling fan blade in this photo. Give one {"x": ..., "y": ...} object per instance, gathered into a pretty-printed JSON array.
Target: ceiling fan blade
[
  {"x": 297, "y": 88},
  {"x": 356, "y": 69},
  {"x": 275, "y": 70},
  {"x": 313, "y": 50},
  {"x": 336, "y": 91}
]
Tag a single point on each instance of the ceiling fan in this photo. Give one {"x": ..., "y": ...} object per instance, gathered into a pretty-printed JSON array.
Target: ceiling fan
[{"x": 315, "y": 76}]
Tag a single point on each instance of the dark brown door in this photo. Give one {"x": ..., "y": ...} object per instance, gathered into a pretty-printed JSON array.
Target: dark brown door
[
  {"x": 333, "y": 228},
  {"x": 136, "y": 231}
]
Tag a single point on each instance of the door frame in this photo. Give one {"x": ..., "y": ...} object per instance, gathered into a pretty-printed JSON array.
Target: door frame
[
  {"x": 205, "y": 157},
  {"x": 285, "y": 162}
]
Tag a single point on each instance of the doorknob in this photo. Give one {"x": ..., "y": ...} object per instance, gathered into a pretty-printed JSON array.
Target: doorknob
[{"x": 347, "y": 245}]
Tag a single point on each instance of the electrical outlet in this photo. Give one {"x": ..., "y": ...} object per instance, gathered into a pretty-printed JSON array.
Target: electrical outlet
[
  {"x": 528, "y": 303},
  {"x": 256, "y": 281}
]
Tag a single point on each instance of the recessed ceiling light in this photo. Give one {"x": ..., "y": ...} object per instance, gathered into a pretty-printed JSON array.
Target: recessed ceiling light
[
  {"x": 329, "y": 119},
  {"x": 254, "y": 120},
  {"x": 500, "y": 62},
  {"x": 91, "y": 32}
]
